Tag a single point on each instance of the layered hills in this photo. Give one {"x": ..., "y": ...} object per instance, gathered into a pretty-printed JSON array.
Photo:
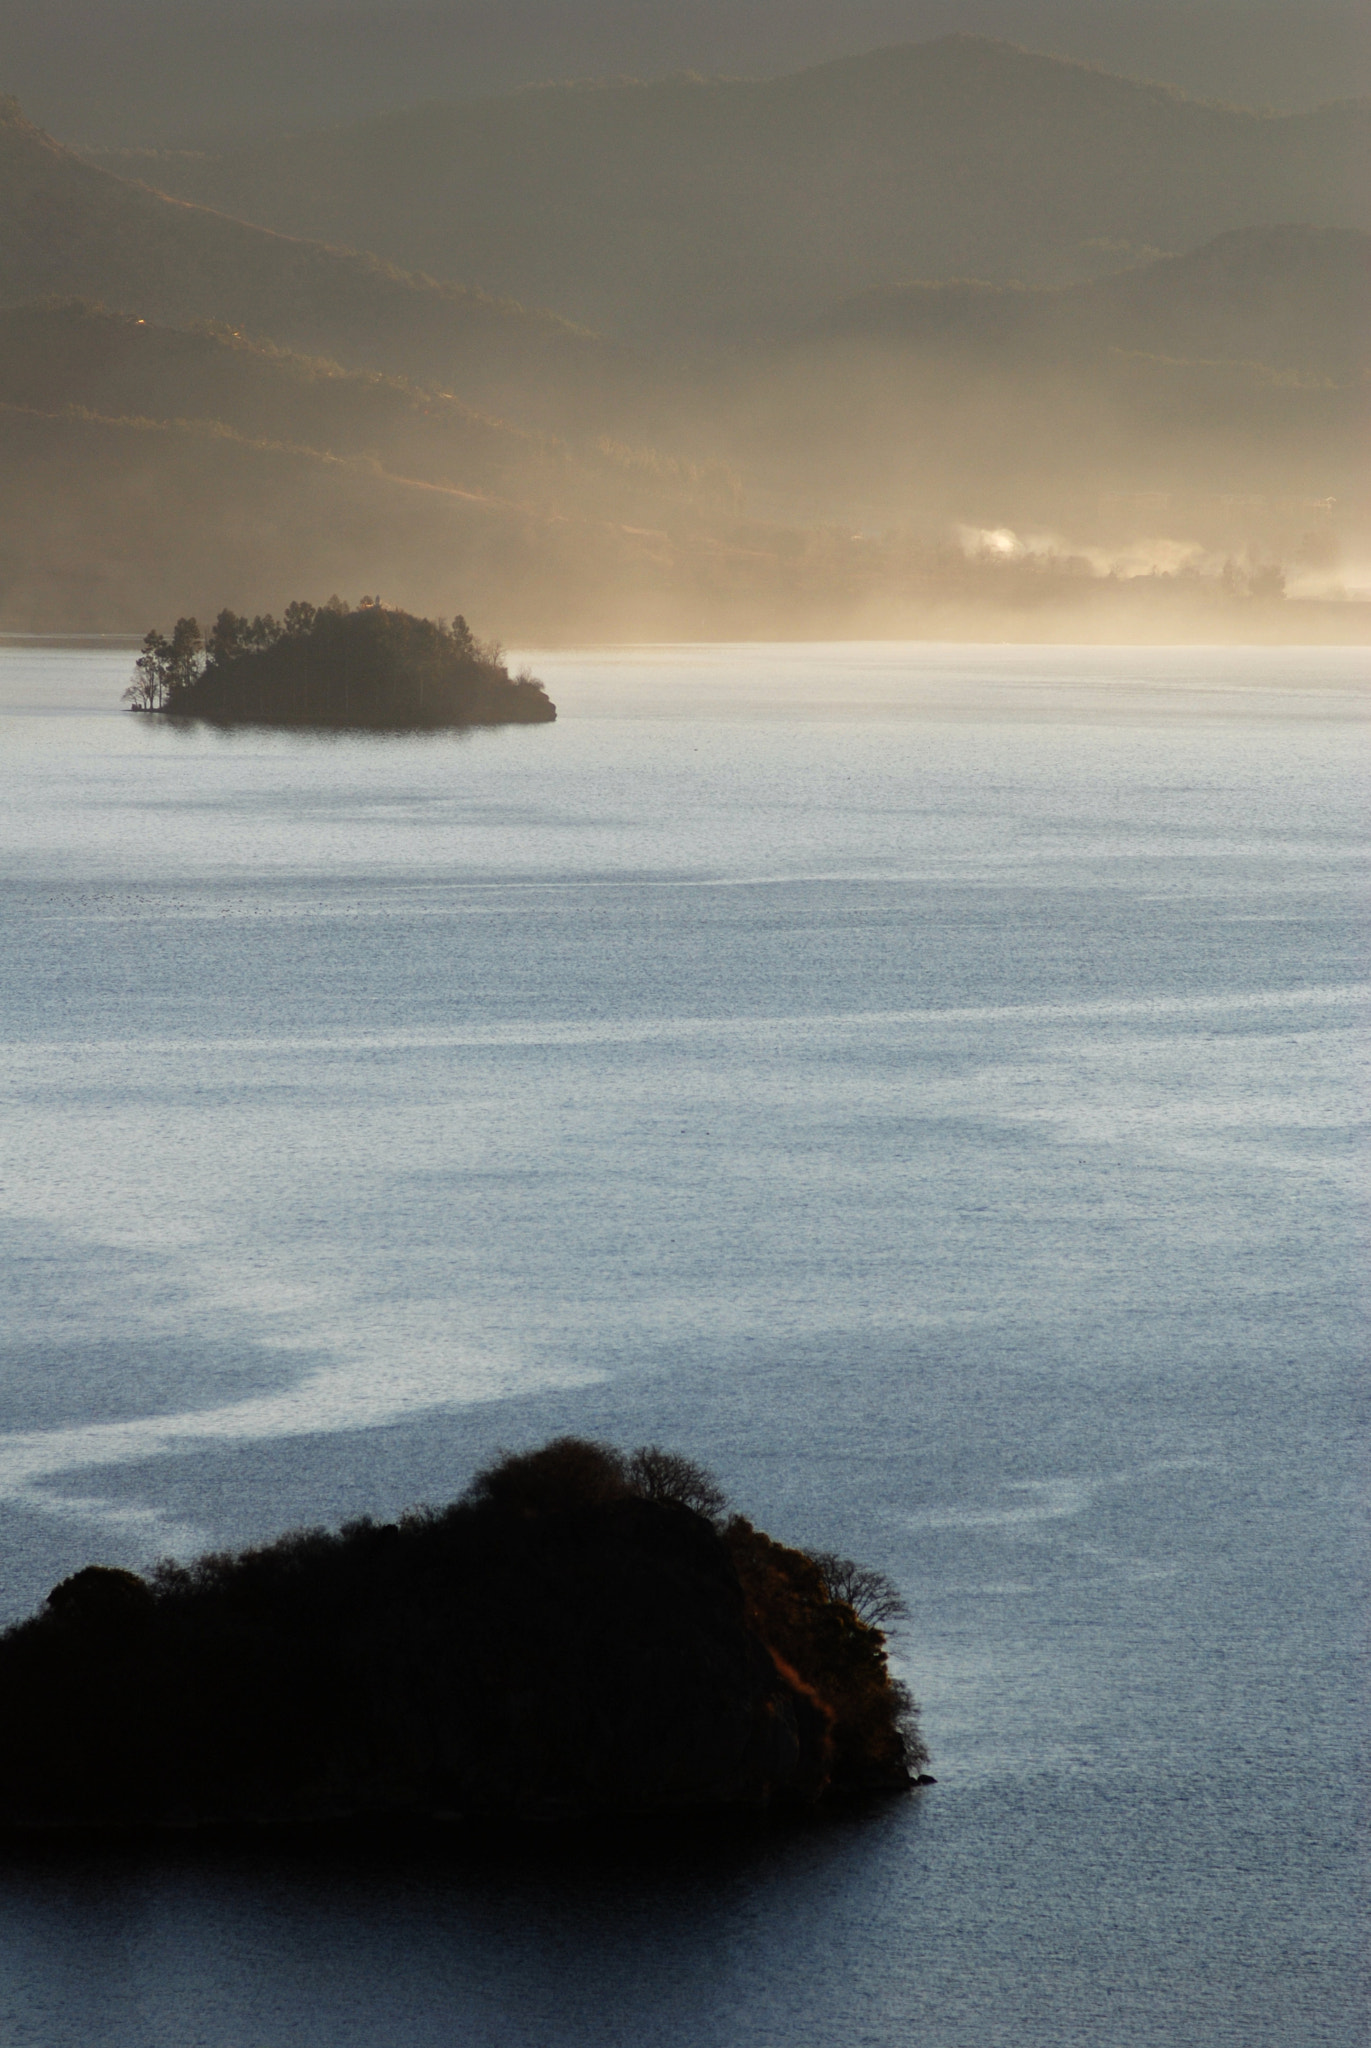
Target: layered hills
[
  {"x": 57, "y": 354},
  {"x": 134, "y": 71},
  {"x": 197, "y": 409},
  {"x": 1233, "y": 378},
  {"x": 149, "y": 470},
  {"x": 723, "y": 207},
  {"x": 70, "y": 228},
  {"x": 1292, "y": 298}
]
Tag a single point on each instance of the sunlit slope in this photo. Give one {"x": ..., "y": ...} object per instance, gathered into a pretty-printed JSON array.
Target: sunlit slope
[
  {"x": 713, "y": 207},
  {"x": 144, "y": 469},
  {"x": 69, "y": 227},
  {"x": 58, "y": 355},
  {"x": 110, "y": 524}
]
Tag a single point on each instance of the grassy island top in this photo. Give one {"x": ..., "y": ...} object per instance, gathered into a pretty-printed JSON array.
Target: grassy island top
[
  {"x": 372, "y": 667},
  {"x": 583, "y": 1633}
]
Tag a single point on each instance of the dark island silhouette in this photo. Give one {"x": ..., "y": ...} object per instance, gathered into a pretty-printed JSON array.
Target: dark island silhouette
[
  {"x": 373, "y": 667},
  {"x": 582, "y": 1636}
]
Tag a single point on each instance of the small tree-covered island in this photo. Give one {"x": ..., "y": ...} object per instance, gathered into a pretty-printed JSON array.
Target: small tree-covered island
[
  {"x": 332, "y": 665},
  {"x": 583, "y": 1635}
]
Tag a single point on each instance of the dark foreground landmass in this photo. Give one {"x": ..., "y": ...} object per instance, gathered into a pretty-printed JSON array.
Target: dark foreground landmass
[
  {"x": 582, "y": 1636},
  {"x": 374, "y": 667}
]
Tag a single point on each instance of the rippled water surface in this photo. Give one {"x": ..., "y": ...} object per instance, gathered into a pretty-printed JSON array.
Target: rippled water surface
[{"x": 917, "y": 1082}]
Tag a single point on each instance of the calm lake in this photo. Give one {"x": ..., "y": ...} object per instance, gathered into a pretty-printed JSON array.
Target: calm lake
[{"x": 917, "y": 1082}]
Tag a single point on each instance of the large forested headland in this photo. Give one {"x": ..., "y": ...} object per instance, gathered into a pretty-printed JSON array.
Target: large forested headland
[
  {"x": 330, "y": 665},
  {"x": 583, "y": 1634}
]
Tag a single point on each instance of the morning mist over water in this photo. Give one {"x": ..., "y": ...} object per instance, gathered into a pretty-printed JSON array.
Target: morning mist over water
[{"x": 803, "y": 1118}]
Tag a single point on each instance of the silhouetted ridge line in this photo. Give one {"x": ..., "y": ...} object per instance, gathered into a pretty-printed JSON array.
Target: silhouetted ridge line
[
  {"x": 582, "y": 1634},
  {"x": 333, "y": 666}
]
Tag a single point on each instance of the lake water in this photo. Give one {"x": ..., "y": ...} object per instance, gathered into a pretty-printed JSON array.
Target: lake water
[{"x": 916, "y": 1082}]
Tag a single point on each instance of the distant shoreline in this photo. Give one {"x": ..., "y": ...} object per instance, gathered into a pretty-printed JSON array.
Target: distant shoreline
[{"x": 1357, "y": 634}]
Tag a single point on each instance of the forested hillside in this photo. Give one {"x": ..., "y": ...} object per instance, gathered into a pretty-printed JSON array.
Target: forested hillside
[{"x": 107, "y": 522}]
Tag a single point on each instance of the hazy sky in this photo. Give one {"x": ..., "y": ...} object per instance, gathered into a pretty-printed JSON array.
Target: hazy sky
[{"x": 150, "y": 70}]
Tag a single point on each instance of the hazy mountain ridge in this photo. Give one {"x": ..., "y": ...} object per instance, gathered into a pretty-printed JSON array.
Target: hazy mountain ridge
[
  {"x": 212, "y": 71},
  {"x": 1217, "y": 401},
  {"x": 1293, "y": 298},
  {"x": 342, "y": 423},
  {"x": 106, "y": 524},
  {"x": 70, "y": 228},
  {"x": 713, "y": 207},
  {"x": 55, "y": 355}
]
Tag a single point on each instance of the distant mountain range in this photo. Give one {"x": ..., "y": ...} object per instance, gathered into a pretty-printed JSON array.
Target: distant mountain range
[
  {"x": 1291, "y": 298},
  {"x": 721, "y": 209},
  {"x": 212, "y": 72},
  {"x": 810, "y": 407}
]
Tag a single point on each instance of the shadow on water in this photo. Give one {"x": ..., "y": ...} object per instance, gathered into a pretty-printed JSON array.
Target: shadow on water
[
  {"x": 623, "y": 1936},
  {"x": 604, "y": 1876}
]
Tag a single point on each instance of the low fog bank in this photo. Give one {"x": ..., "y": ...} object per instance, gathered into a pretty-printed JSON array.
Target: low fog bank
[
  {"x": 816, "y": 500},
  {"x": 109, "y": 525}
]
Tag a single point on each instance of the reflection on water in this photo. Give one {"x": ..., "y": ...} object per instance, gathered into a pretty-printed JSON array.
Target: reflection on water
[{"x": 915, "y": 1082}]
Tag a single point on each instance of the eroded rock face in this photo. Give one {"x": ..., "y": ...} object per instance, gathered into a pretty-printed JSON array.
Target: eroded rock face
[{"x": 478, "y": 1664}]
